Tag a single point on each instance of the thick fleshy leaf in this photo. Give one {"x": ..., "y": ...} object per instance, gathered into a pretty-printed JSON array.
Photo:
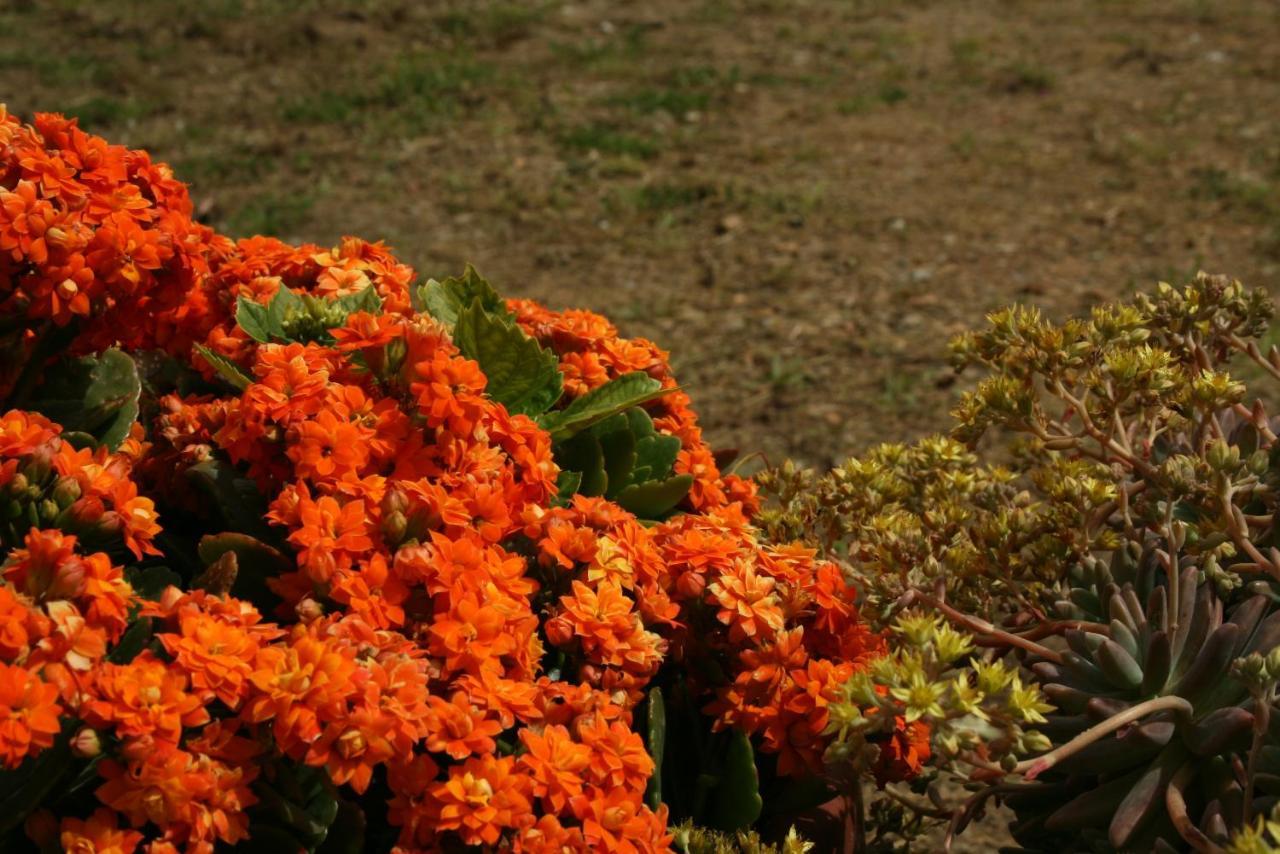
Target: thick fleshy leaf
[
  {"x": 522, "y": 376},
  {"x": 735, "y": 802},
  {"x": 151, "y": 581},
  {"x": 655, "y": 741},
  {"x": 619, "y": 448},
  {"x": 257, "y": 321},
  {"x": 446, "y": 300},
  {"x": 656, "y": 498},
  {"x": 598, "y": 404},
  {"x": 583, "y": 454},
  {"x": 225, "y": 368},
  {"x": 234, "y": 496},
  {"x": 366, "y": 300},
  {"x": 97, "y": 395}
]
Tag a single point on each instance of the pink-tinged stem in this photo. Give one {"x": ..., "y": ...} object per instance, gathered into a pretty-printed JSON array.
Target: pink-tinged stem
[{"x": 1032, "y": 768}]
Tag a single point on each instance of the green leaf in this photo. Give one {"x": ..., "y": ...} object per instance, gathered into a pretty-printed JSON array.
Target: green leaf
[
  {"x": 655, "y": 741},
  {"x": 133, "y": 641},
  {"x": 445, "y": 300},
  {"x": 256, "y": 562},
  {"x": 225, "y": 368},
  {"x": 347, "y": 833},
  {"x": 521, "y": 375},
  {"x": 583, "y": 454},
  {"x": 619, "y": 448},
  {"x": 234, "y": 496},
  {"x": 151, "y": 581},
  {"x": 25, "y": 788},
  {"x": 257, "y": 320},
  {"x": 93, "y": 394},
  {"x": 598, "y": 404},
  {"x": 567, "y": 486},
  {"x": 655, "y": 457},
  {"x": 656, "y": 498},
  {"x": 735, "y": 802},
  {"x": 366, "y": 300}
]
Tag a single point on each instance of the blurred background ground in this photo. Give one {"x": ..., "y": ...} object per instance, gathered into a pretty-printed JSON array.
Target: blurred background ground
[{"x": 802, "y": 200}]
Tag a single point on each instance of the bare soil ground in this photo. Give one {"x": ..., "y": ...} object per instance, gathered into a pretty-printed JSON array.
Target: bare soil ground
[{"x": 801, "y": 199}]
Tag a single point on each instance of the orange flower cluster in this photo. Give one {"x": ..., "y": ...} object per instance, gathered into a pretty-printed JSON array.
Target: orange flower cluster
[
  {"x": 93, "y": 233},
  {"x": 445, "y": 629}
]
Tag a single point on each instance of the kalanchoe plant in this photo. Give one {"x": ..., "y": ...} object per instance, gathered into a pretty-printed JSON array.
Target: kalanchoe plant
[
  {"x": 298, "y": 555},
  {"x": 1124, "y": 562}
]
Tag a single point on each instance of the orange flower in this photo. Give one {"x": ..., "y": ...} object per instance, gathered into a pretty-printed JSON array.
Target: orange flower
[
  {"x": 350, "y": 748},
  {"x": 748, "y": 605},
  {"x": 618, "y": 757},
  {"x": 617, "y": 821},
  {"x": 23, "y": 432},
  {"x": 330, "y": 446},
  {"x": 100, "y": 834},
  {"x": 29, "y": 712},
  {"x": 555, "y": 762},
  {"x": 456, "y": 728},
  {"x": 144, "y": 698},
  {"x": 216, "y": 655},
  {"x": 481, "y": 799}
]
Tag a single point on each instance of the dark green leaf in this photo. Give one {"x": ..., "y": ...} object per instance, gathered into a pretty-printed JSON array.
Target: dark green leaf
[
  {"x": 255, "y": 563},
  {"x": 150, "y": 581},
  {"x": 133, "y": 641},
  {"x": 225, "y": 368},
  {"x": 234, "y": 496},
  {"x": 366, "y": 300},
  {"x": 656, "y": 498},
  {"x": 521, "y": 375},
  {"x": 655, "y": 740},
  {"x": 582, "y": 454},
  {"x": 567, "y": 486},
  {"x": 24, "y": 789},
  {"x": 655, "y": 456},
  {"x": 445, "y": 300},
  {"x": 619, "y": 447},
  {"x": 598, "y": 404},
  {"x": 93, "y": 394},
  {"x": 258, "y": 322},
  {"x": 735, "y": 802},
  {"x": 251, "y": 553},
  {"x": 347, "y": 833}
]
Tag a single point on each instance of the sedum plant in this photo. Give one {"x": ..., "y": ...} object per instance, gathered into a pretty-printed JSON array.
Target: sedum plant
[{"x": 1122, "y": 560}]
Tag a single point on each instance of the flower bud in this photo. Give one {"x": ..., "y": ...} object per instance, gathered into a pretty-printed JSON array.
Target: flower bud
[
  {"x": 309, "y": 610},
  {"x": 48, "y": 510},
  {"x": 394, "y": 528},
  {"x": 1259, "y": 462},
  {"x": 68, "y": 580},
  {"x": 86, "y": 744},
  {"x": 1273, "y": 663},
  {"x": 66, "y": 492},
  {"x": 690, "y": 585},
  {"x": 18, "y": 484},
  {"x": 559, "y": 630}
]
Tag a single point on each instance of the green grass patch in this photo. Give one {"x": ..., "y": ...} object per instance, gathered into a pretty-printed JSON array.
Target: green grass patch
[
  {"x": 271, "y": 214},
  {"x": 417, "y": 88},
  {"x": 609, "y": 140}
]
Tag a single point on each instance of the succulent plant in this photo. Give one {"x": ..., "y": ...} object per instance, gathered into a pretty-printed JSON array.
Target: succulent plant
[
  {"x": 1126, "y": 562},
  {"x": 1164, "y": 698}
]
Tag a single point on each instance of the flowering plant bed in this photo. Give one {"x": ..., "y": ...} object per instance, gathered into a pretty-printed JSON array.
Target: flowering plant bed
[{"x": 300, "y": 552}]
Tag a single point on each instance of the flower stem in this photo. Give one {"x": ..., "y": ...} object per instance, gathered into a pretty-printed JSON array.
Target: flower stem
[{"x": 1032, "y": 768}]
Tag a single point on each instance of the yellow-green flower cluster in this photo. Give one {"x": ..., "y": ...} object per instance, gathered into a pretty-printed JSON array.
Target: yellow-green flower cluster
[{"x": 977, "y": 710}]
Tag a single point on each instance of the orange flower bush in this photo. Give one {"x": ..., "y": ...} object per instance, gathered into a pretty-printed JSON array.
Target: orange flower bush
[{"x": 288, "y": 536}]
